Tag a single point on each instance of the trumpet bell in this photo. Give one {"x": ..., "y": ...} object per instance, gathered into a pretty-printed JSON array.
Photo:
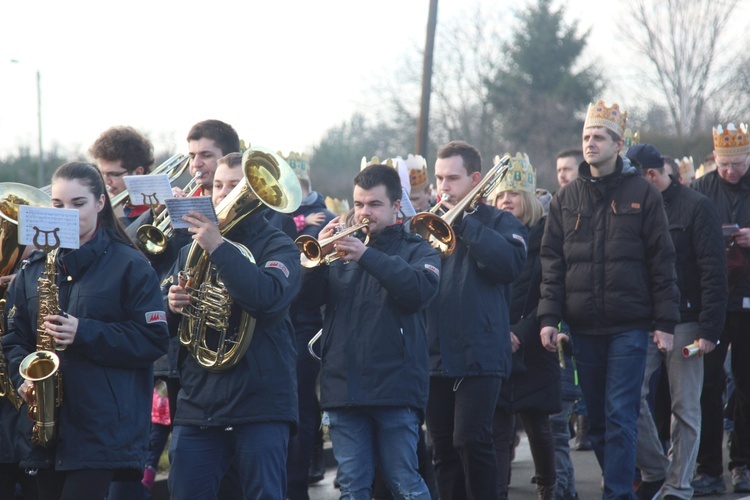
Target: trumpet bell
[
  {"x": 311, "y": 252},
  {"x": 436, "y": 231},
  {"x": 151, "y": 239}
]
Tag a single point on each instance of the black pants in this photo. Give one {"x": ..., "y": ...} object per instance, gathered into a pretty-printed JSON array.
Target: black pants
[
  {"x": 86, "y": 484},
  {"x": 10, "y": 476},
  {"x": 459, "y": 419},
  {"x": 541, "y": 443},
  {"x": 737, "y": 333}
]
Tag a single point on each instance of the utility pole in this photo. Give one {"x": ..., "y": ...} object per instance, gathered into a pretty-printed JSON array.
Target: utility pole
[{"x": 424, "y": 109}]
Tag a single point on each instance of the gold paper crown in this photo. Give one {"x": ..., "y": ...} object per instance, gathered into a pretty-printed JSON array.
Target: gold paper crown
[
  {"x": 299, "y": 164},
  {"x": 373, "y": 161},
  {"x": 336, "y": 206},
  {"x": 731, "y": 141},
  {"x": 599, "y": 115},
  {"x": 520, "y": 176},
  {"x": 687, "y": 171},
  {"x": 417, "y": 171}
]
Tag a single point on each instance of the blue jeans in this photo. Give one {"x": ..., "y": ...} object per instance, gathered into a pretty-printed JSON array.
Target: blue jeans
[
  {"x": 566, "y": 484},
  {"x": 200, "y": 457},
  {"x": 362, "y": 435},
  {"x": 611, "y": 369}
]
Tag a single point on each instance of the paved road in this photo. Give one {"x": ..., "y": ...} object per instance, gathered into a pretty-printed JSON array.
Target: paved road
[{"x": 588, "y": 478}]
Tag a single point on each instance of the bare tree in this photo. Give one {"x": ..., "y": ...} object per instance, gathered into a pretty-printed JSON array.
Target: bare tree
[{"x": 680, "y": 39}]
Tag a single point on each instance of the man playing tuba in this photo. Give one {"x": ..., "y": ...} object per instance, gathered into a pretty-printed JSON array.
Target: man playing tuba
[{"x": 243, "y": 412}]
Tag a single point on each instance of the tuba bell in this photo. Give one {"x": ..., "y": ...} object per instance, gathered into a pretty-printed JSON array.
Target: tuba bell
[
  {"x": 216, "y": 336},
  {"x": 437, "y": 228},
  {"x": 12, "y": 196}
]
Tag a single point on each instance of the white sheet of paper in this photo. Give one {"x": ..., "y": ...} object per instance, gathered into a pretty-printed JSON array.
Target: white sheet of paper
[
  {"x": 148, "y": 189},
  {"x": 46, "y": 225},
  {"x": 177, "y": 207}
]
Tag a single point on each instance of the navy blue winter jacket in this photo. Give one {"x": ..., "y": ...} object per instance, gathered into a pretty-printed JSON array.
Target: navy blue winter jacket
[
  {"x": 468, "y": 323},
  {"x": 106, "y": 372},
  {"x": 262, "y": 387},
  {"x": 374, "y": 349}
]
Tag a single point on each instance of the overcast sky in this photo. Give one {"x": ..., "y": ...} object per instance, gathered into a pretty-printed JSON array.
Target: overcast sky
[{"x": 280, "y": 72}]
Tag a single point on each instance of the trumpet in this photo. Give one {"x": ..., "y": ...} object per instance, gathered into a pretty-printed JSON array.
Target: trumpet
[
  {"x": 437, "y": 228},
  {"x": 311, "y": 249},
  {"x": 153, "y": 238},
  {"x": 174, "y": 167}
]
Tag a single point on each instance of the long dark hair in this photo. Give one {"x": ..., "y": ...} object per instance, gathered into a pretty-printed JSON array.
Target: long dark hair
[{"x": 90, "y": 176}]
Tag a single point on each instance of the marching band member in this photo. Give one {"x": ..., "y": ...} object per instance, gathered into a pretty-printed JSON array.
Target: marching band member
[
  {"x": 243, "y": 415},
  {"x": 374, "y": 356},
  {"x": 121, "y": 151},
  {"x": 113, "y": 327},
  {"x": 469, "y": 332}
]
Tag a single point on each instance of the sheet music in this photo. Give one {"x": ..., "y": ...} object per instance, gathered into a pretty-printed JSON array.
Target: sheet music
[
  {"x": 42, "y": 222},
  {"x": 148, "y": 189},
  {"x": 177, "y": 207}
]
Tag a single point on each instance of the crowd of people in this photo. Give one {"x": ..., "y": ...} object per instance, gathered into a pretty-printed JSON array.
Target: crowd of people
[{"x": 609, "y": 306}]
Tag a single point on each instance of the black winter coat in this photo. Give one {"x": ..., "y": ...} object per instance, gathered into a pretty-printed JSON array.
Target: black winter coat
[
  {"x": 701, "y": 259},
  {"x": 534, "y": 384},
  {"x": 106, "y": 372},
  {"x": 468, "y": 326},
  {"x": 732, "y": 201},
  {"x": 607, "y": 258},
  {"x": 262, "y": 387},
  {"x": 374, "y": 346}
]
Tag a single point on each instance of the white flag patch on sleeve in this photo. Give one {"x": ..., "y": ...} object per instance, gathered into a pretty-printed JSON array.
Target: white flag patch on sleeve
[
  {"x": 278, "y": 265},
  {"x": 433, "y": 269},
  {"x": 156, "y": 317}
]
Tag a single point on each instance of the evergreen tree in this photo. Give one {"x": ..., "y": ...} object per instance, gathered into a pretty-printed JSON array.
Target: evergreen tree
[{"x": 541, "y": 93}]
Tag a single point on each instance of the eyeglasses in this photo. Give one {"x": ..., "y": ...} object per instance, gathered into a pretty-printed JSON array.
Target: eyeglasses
[
  {"x": 114, "y": 175},
  {"x": 734, "y": 166}
]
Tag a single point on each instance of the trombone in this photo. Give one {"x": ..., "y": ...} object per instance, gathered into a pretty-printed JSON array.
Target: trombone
[
  {"x": 153, "y": 238},
  {"x": 437, "y": 228},
  {"x": 311, "y": 249},
  {"x": 174, "y": 167}
]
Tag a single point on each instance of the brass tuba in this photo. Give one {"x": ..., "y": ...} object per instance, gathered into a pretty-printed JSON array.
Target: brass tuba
[
  {"x": 268, "y": 180},
  {"x": 437, "y": 228},
  {"x": 12, "y": 196}
]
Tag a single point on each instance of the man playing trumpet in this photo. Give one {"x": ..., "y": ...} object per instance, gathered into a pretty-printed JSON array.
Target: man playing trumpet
[{"x": 374, "y": 351}]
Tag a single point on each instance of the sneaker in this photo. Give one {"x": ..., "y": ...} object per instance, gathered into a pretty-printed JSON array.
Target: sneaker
[
  {"x": 741, "y": 479},
  {"x": 703, "y": 484},
  {"x": 149, "y": 476},
  {"x": 648, "y": 489}
]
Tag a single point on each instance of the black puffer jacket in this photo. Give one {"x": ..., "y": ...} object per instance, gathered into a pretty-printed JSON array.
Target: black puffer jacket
[
  {"x": 607, "y": 258},
  {"x": 701, "y": 259},
  {"x": 732, "y": 201}
]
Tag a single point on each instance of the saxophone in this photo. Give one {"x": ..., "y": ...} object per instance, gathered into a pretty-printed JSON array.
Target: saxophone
[
  {"x": 43, "y": 366},
  {"x": 6, "y": 386}
]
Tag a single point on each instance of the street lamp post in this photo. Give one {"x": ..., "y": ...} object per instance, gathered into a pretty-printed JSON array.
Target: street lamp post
[
  {"x": 40, "y": 169},
  {"x": 40, "y": 172}
]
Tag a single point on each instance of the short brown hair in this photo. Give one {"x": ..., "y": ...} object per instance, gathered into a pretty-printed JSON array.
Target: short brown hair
[
  {"x": 223, "y": 135},
  {"x": 232, "y": 160},
  {"x": 126, "y": 144},
  {"x": 470, "y": 155}
]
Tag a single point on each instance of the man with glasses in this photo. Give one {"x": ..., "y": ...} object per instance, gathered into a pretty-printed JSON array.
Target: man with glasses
[
  {"x": 121, "y": 151},
  {"x": 728, "y": 187}
]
